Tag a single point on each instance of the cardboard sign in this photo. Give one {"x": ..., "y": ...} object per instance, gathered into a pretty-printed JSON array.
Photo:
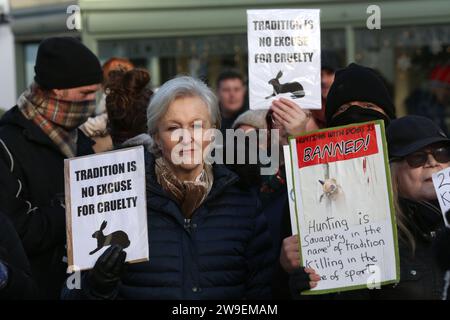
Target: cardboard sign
[
  {"x": 105, "y": 205},
  {"x": 346, "y": 221},
  {"x": 284, "y": 57},
  {"x": 441, "y": 182}
]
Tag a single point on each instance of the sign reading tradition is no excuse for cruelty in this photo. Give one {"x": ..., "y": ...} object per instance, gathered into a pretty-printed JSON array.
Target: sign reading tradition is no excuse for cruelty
[
  {"x": 284, "y": 57},
  {"x": 344, "y": 207},
  {"x": 105, "y": 206}
]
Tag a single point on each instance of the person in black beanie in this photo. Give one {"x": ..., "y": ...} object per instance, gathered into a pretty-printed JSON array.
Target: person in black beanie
[
  {"x": 357, "y": 95},
  {"x": 35, "y": 137}
]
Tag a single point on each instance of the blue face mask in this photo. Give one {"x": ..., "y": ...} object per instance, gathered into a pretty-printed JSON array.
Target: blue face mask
[{"x": 356, "y": 114}]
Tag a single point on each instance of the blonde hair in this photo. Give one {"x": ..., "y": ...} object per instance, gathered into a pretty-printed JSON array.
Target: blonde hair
[{"x": 405, "y": 233}]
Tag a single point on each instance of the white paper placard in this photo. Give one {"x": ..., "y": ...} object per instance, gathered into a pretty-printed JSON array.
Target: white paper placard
[
  {"x": 441, "y": 182},
  {"x": 284, "y": 57},
  {"x": 344, "y": 207},
  {"x": 290, "y": 188},
  {"x": 106, "y": 205}
]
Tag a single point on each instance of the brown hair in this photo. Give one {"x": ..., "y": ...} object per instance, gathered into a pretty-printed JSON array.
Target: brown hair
[
  {"x": 127, "y": 99},
  {"x": 116, "y": 63}
]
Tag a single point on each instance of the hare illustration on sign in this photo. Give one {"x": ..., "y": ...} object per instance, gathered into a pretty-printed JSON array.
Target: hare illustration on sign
[
  {"x": 290, "y": 87},
  {"x": 330, "y": 189},
  {"x": 117, "y": 237}
]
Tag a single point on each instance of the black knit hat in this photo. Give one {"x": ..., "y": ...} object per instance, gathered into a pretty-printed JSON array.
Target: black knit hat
[
  {"x": 358, "y": 83},
  {"x": 64, "y": 62},
  {"x": 412, "y": 133}
]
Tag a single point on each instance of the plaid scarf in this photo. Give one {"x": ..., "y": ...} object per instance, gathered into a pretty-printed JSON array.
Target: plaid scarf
[
  {"x": 188, "y": 194},
  {"x": 59, "y": 119}
]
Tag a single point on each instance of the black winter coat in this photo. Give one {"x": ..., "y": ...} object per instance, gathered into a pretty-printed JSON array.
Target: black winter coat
[
  {"x": 32, "y": 184},
  {"x": 20, "y": 283},
  {"x": 223, "y": 252}
]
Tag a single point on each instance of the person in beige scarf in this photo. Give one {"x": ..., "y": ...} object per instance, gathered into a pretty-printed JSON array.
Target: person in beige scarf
[
  {"x": 190, "y": 181},
  {"x": 208, "y": 237}
]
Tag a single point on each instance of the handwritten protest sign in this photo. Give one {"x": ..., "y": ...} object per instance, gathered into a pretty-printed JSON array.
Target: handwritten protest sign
[
  {"x": 344, "y": 207},
  {"x": 105, "y": 205},
  {"x": 284, "y": 56},
  {"x": 441, "y": 182}
]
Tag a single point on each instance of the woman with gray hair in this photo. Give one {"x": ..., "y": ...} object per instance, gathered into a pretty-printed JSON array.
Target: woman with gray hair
[{"x": 207, "y": 238}]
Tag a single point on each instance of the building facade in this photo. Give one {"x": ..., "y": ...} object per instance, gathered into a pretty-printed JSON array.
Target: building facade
[{"x": 202, "y": 37}]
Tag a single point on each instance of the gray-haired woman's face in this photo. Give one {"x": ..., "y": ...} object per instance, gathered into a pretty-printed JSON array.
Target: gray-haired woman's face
[{"x": 182, "y": 133}]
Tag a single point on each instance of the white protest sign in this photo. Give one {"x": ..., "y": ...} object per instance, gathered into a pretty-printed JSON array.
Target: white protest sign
[
  {"x": 344, "y": 206},
  {"x": 290, "y": 188},
  {"x": 106, "y": 205},
  {"x": 441, "y": 182},
  {"x": 284, "y": 57}
]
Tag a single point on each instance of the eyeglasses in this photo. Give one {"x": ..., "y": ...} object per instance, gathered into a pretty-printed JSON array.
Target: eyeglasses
[{"x": 419, "y": 158}]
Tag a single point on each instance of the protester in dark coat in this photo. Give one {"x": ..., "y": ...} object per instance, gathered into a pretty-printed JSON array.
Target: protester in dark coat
[
  {"x": 35, "y": 138},
  {"x": 16, "y": 281},
  {"x": 357, "y": 95},
  {"x": 418, "y": 148},
  {"x": 208, "y": 238}
]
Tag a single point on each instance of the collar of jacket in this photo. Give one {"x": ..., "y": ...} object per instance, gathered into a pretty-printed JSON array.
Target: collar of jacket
[
  {"x": 424, "y": 218},
  {"x": 33, "y": 133},
  {"x": 223, "y": 178}
]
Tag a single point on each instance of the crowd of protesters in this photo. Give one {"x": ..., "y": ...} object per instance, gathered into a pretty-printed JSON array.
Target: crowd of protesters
[{"x": 216, "y": 231}]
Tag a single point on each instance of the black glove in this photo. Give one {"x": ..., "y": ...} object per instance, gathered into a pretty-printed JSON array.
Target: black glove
[
  {"x": 298, "y": 281},
  {"x": 104, "y": 279}
]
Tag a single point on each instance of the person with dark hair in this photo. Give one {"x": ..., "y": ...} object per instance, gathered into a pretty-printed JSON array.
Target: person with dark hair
[
  {"x": 96, "y": 127},
  {"x": 35, "y": 137},
  {"x": 231, "y": 91},
  {"x": 128, "y": 96}
]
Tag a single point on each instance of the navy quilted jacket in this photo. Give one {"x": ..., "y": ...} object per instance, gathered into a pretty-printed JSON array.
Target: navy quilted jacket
[{"x": 223, "y": 252}]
